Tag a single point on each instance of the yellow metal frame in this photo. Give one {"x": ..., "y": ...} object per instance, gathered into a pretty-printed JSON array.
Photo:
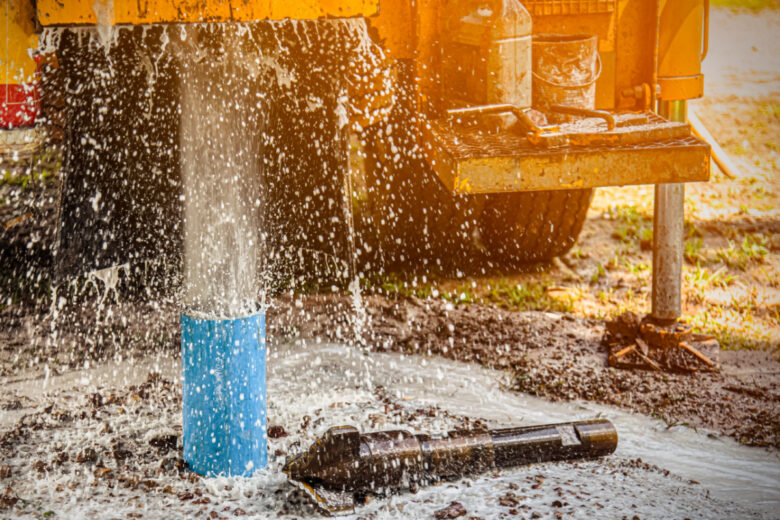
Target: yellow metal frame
[
  {"x": 134, "y": 12},
  {"x": 682, "y": 45},
  {"x": 16, "y": 65}
]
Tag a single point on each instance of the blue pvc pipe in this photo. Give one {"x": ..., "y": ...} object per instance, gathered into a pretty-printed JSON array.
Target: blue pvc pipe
[{"x": 223, "y": 393}]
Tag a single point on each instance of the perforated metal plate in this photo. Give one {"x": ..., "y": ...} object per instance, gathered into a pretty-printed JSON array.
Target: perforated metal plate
[
  {"x": 551, "y": 7},
  {"x": 468, "y": 160}
]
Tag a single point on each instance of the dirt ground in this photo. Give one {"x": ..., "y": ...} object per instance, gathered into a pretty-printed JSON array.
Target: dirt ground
[
  {"x": 105, "y": 443},
  {"x": 553, "y": 355}
]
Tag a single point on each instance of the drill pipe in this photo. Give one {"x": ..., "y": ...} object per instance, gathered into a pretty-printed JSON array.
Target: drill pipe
[{"x": 343, "y": 465}]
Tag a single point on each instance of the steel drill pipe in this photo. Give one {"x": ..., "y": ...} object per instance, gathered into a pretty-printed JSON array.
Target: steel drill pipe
[{"x": 344, "y": 465}]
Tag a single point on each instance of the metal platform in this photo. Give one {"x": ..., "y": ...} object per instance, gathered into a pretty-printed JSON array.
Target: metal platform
[{"x": 471, "y": 161}]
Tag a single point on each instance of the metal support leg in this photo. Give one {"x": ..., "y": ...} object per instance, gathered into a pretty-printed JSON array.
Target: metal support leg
[{"x": 668, "y": 235}]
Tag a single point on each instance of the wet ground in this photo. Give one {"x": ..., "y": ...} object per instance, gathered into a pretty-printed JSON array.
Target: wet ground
[
  {"x": 106, "y": 443},
  {"x": 559, "y": 357},
  {"x": 84, "y": 438}
]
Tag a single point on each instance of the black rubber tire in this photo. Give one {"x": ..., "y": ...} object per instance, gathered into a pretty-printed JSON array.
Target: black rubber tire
[
  {"x": 533, "y": 226},
  {"x": 53, "y": 102}
]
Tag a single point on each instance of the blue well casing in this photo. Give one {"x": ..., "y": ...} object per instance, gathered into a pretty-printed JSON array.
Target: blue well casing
[{"x": 223, "y": 394}]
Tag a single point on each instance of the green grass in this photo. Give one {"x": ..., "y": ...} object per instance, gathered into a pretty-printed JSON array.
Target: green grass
[
  {"x": 752, "y": 250},
  {"x": 692, "y": 252},
  {"x": 521, "y": 296},
  {"x": 633, "y": 227},
  {"x": 701, "y": 280},
  {"x": 743, "y": 334},
  {"x": 392, "y": 284},
  {"x": 770, "y": 109},
  {"x": 753, "y": 5},
  {"x": 528, "y": 296},
  {"x": 43, "y": 166}
]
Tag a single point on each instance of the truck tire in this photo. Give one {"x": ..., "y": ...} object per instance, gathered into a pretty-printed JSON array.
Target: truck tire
[
  {"x": 53, "y": 102},
  {"x": 533, "y": 226}
]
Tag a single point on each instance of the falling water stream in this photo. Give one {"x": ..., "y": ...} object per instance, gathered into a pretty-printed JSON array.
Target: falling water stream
[{"x": 220, "y": 162}]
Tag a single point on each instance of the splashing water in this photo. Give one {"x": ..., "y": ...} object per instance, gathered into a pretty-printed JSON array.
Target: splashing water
[{"x": 220, "y": 147}]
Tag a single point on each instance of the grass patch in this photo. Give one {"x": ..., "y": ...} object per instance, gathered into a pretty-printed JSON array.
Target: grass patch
[
  {"x": 700, "y": 280},
  {"x": 770, "y": 109},
  {"x": 43, "y": 166},
  {"x": 527, "y": 297},
  {"x": 392, "y": 284},
  {"x": 692, "y": 251},
  {"x": 752, "y": 250},
  {"x": 734, "y": 330},
  {"x": 534, "y": 296},
  {"x": 632, "y": 227}
]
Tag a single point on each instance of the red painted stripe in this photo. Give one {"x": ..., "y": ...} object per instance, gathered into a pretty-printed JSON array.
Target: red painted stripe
[{"x": 19, "y": 105}]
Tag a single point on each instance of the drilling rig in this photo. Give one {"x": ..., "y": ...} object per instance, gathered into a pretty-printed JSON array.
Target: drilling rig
[{"x": 486, "y": 124}]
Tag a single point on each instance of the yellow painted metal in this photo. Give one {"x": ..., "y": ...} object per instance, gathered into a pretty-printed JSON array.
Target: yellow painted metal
[
  {"x": 395, "y": 28},
  {"x": 681, "y": 47},
  {"x": 133, "y": 12},
  {"x": 636, "y": 52},
  {"x": 16, "y": 65},
  {"x": 469, "y": 162}
]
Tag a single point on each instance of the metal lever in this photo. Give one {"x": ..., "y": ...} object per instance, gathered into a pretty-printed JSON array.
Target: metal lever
[
  {"x": 585, "y": 112},
  {"x": 520, "y": 113}
]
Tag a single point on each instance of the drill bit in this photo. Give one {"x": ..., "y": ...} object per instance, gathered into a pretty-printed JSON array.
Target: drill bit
[{"x": 344, "y": 465}]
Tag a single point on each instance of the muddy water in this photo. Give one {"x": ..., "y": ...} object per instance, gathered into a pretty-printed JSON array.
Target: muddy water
[
  {"x": 729, "y": 470},
  {"x": 336, "y": 384}
]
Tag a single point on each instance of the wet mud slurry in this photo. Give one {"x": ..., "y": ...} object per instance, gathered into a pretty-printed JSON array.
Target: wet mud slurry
[
  {"x": 558, "y": 357},
  {"x": 106, "y": 443}
]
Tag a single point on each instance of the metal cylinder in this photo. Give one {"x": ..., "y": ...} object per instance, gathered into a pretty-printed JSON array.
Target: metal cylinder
[
  {"x": 344, "y": 464},
  {"x": 668, "y": 220},
  {"x": 682, "y": 45},
  {"x": 565, "y": 70}
]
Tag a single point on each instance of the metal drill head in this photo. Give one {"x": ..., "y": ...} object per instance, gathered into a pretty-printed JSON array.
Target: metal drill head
[
  {"x": 330, "y": 463},
  {"x": 344, "y": 465}
]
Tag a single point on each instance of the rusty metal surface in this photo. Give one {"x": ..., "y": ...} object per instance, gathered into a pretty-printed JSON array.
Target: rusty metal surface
[
  {"x": 468, "y": 160},
  {"x": 344, "y": 465},
  {"x": 134, "y": 12},
  {"x": 668, "y": 238},
  {"x": 646, "y": 343},
  {"x": 668, "y": 235},
  {"x": 551, "y": 7}
]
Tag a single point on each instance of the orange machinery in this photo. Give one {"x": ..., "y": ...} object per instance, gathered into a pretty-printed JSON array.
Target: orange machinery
[
  {"x": 467, "y": 153},
  {"x": 19, "y": 79}
]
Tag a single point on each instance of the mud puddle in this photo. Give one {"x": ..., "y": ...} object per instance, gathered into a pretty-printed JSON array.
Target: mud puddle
[{"x": 132, "y": 424}]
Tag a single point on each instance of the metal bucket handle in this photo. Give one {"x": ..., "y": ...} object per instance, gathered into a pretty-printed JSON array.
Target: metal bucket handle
[{"x": 581, "y": 85}]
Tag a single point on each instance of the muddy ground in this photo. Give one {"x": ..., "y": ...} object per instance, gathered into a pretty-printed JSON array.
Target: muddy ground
[
  {"x": 105, "y": 443},
  {"x": 554, "y": 355},
  {"x": 557, "y": 356}
]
